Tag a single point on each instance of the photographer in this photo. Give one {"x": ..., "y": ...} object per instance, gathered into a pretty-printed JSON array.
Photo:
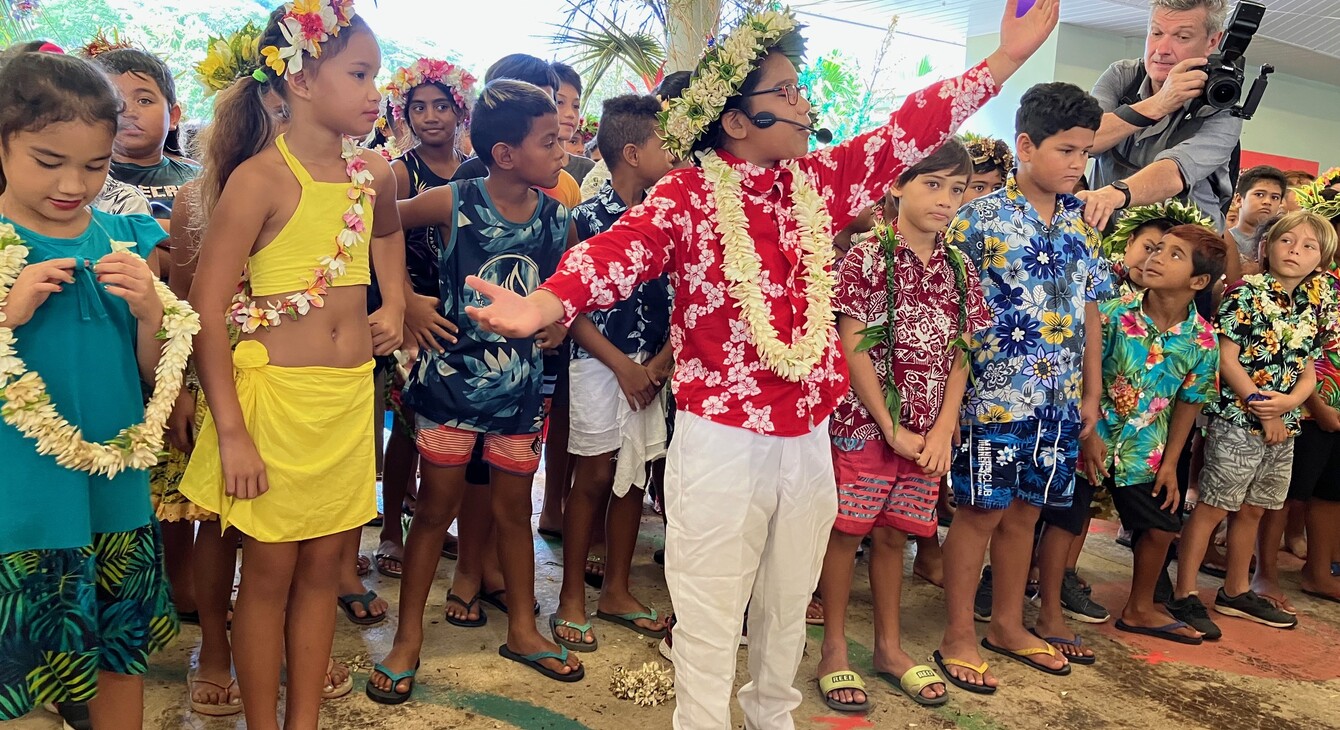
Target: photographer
[{"x": 1155, "y": 141}]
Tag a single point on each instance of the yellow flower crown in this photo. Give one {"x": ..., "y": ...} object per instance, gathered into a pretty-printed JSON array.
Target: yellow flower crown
[
  {"x": 719, "y": 74},
  {"x": 306, "y": 25},
  {"x": 1311, "y": 199},
  {"x": 230, "y": 58}
]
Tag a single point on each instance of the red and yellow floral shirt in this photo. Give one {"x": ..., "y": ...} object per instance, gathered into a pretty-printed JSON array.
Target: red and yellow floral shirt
[{"x": 719, "y": 375}]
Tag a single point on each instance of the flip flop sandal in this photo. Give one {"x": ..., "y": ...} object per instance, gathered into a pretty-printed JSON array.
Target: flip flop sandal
[
  {"x": 555, "y": 535},
  {"x": 222, "y": 709},
  {"x": 391, "y": 696},
  {"x": 382, "y": 559},
  {"x": 582, "y": 646},
  {"x": 364, "y": 566},
  {"x": 913, "y": 681},
  {"x": 1167, "y": 632},
  {"x": 1321, "y": 596},
  {"x": 365, "y": 600},
  {"x": 981, "y": 669},
  {"x": 337, "y": 691},
  {"x": 1022, "y": 656},
  {"x": 469, "y": 606},
  {"x": 629, "y": 621},
  {"x": 1281, "y": 603},
  {"x": 1078, "y": 643},
  {"x": 533, "y": 661},
  {"x": 814, "y": 601},
  {"x": 844, "y": 679},
  {"x": 595, "y": 580},
  {"x": 495, "y": 599}
]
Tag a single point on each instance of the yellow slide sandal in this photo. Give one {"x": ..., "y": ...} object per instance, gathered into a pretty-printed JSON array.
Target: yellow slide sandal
[{"x": 845, "y": 679}]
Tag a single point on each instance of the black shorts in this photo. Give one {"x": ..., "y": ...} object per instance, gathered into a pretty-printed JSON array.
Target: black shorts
[
  {"x": 1072, "y": 518},
  {"x": 1140, "y": 510},
  {"x": 1316, "y": 465}
]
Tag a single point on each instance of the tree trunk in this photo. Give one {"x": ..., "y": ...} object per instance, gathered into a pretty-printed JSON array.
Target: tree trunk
[{"x": 691, "y": 23}]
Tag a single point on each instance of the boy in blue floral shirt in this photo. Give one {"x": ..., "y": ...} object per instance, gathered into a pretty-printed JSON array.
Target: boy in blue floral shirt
[
  {"x": 1269, "y": 336},
  {"x": 1043, "y": 274}
]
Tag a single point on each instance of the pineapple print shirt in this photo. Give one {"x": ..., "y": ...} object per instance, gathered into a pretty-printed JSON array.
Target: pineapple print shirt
[
  {"x": 1278, "y": 334},
  {"x": 1145, "y": 372}
]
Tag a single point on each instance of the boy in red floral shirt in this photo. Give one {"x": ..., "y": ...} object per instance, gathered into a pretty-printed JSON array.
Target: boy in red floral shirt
[
  {"x": 746, "y": 238},
  {"x": 903, "y": 299}
]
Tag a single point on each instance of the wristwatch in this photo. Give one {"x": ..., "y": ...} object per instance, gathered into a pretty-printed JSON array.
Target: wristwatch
[{"x": 1125, "y": 190}]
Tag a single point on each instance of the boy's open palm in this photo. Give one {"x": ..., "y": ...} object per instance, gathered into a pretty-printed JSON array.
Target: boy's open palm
[
  {"x": 508, "y": 313},
  {"x": 129, "y": 278},
  {"x": 1020, "y": 38},
  {"x": 34, "y": 284}
]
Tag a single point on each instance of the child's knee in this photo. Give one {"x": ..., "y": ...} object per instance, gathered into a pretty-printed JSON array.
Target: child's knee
[
  {"x": 1250, "y": 513},
  {"x": 888, "y": 539},
  {"x": 844, "y": 541}
]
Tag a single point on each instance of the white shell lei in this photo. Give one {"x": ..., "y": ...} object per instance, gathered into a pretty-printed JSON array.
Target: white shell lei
[
  {"x": 25, "y": 404},
  {"x": 744, "y": 268}
]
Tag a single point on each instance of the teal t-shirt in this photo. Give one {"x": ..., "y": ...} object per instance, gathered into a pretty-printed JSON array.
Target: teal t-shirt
[{"x": 81, "y": 340}]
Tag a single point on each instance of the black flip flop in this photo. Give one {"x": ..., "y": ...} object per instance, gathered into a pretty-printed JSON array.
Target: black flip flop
[
  {"x": 391, "y": 696},
  {"x": 466, "y": 623},
  {"x": 495, "y": 599},
  {"x": 979, "y": 689},
  {"x": 1321, "y": 596},
  {"x": 347, "y": 602},
  {"x": 1165, "y": 632},
  {"x": 533, "y": 661},
  {"x": 595, "y": 580},
  {"x": 1023, "y": 658},
  {"x": 379, "y": 558},
  {"x": 555, "y": 535}
]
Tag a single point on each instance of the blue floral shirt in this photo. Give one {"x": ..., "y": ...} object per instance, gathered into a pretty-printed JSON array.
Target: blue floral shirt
[
  {"x": 1038, "y": 275},
  {"x": 640, "y": 323}
]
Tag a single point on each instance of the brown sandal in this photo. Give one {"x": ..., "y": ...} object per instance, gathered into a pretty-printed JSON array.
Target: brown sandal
[{"x": 222, "y": 709}]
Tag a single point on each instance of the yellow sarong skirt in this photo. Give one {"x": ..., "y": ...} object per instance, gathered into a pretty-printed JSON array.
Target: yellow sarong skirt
[{"x": 313, "y": 428}]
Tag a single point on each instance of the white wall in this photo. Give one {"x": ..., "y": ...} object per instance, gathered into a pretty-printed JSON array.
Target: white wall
[{"x": 1297, "y": 117}]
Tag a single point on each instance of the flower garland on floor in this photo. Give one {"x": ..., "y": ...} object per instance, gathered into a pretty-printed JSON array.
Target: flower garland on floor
[
  {"x": 887, "y": 333},
  {"x": 744, "y": 268},
  {"x": 25, "y": 404},
  {"x": 251, "y": 316}
]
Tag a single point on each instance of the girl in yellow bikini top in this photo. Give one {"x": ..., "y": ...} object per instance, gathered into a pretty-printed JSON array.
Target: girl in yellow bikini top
[{"x": 324, "y": 244}]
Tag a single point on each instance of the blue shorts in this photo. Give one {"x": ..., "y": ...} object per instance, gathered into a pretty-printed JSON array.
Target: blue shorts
[{"x": 1032, "y": 460}]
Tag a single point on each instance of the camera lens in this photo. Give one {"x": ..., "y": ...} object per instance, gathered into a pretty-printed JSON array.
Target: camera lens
[{"x": 1224, "y": 92}]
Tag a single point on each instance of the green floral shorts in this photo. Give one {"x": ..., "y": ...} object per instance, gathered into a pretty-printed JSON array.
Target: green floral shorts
[{"x": 67, "y": 614}]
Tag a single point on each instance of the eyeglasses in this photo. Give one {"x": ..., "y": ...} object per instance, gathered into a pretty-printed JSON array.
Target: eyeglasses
[{"x": 793, "y": 92}]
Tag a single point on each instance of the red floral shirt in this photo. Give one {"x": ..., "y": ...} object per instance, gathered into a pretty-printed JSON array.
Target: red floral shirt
[
  {"x": 926, "y": 321},
  {"x": 718, "y": 373}
]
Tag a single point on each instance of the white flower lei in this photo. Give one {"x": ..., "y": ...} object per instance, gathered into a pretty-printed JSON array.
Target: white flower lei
[
  {"x": 744, "y": 268},
  {"x": 25, "y": 404},
  {"x": 718, "y": 76}
]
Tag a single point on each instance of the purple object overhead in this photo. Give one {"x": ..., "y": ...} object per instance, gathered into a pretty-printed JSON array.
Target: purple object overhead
[{"x": 1024, "y": 7}]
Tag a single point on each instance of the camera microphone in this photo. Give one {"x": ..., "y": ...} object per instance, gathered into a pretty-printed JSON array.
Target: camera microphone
[{"x": 763, "y": 120}]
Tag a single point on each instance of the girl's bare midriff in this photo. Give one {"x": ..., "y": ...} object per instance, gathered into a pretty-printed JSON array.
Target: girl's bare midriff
[{"x": 336, "y": 335}]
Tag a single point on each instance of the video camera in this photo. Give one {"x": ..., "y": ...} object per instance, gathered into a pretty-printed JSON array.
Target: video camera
[{"x": 1227, "y": 66}]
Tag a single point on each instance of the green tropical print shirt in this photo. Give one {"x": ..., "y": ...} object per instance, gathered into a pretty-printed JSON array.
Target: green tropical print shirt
[
  {"x": 1145, "y": 372},
  {"x": 1277, "y": 333}
]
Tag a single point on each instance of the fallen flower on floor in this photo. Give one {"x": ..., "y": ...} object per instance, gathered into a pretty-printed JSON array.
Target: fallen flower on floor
[{"x": 649, "y": 686}]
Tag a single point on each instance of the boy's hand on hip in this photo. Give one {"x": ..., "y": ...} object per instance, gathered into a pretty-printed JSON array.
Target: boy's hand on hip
[{"x": 426, "y": 325}]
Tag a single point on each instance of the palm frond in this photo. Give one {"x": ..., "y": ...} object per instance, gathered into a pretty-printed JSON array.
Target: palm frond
[{"x": 595, "y": 50}]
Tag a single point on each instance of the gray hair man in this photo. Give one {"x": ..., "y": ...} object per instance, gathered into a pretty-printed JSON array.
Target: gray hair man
[{"x": 1153, "y": 144}]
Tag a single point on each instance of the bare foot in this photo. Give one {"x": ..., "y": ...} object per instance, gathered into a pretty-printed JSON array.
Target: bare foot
[
  {"x": 1329, "y": 586},
  {"x": 1296, "y": 544},
  {"x": 814, "y": 613},
  {"x": 967, "y": 653},
  {"x": 897, "y": 662},
  {"x": 834, "y": 659}
]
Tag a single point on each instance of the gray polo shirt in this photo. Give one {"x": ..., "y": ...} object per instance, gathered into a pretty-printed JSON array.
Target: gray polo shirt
[{"x": 1203, "y": 158}]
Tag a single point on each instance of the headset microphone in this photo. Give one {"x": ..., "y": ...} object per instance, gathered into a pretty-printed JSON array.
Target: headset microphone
[{"x": 763, "y": 120}]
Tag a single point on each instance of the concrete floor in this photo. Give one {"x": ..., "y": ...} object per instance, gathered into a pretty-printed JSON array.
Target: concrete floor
[{"x": 1255, "y": 677}]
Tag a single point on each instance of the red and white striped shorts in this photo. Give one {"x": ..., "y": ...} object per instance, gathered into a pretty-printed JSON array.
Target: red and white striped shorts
[
  {"x": 878, "y": 488},
  {"x": 449, "y": 446}
]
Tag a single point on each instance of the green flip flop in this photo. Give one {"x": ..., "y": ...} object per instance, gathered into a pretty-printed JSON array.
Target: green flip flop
[
  {"x": 391, "y": 697},
  {"x": 582, "y": 646},
  {"x": 629, "y": 621}
]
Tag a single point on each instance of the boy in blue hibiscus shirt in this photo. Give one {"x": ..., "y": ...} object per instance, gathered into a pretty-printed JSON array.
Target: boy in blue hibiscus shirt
[
  {"x": 1043, "y": 275},
  {"x": 1269, "y": 335},
  {"x": 1160, "y": 359}
]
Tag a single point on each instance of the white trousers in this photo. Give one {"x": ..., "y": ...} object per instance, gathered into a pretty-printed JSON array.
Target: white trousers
[{"x": 749, "y": 516}]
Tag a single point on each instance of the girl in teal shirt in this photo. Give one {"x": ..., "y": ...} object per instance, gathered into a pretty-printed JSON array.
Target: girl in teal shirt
[{"x": 83, "y": 598}]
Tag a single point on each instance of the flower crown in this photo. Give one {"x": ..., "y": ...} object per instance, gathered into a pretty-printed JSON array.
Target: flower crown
[
  {"x": 718, "y": 76},
  {"x": 1174, "y": 210},
  {"x": 588, "y": 128},
  {"x": 306, "y": 25},
  {"x": 101, "y": 44},
  {"x": 431, "y": 71},
  {"x": 1310, "y": 197},
  {"x": 230, "y": 58},
  {"x": 987, "y": 149}
]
